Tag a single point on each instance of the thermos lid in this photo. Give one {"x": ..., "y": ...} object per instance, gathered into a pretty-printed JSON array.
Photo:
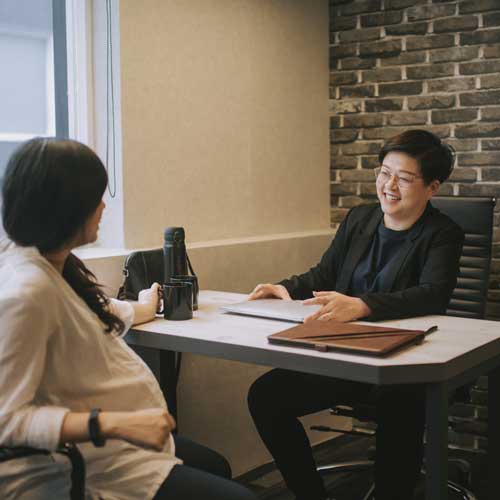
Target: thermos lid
[{"x": 174, "y": 234}]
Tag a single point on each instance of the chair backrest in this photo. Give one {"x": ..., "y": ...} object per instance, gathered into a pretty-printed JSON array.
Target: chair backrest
[{"x": 475, "y": 216}]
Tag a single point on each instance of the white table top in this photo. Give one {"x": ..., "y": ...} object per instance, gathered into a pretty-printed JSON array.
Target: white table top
[{"x": 458, "y": 345}]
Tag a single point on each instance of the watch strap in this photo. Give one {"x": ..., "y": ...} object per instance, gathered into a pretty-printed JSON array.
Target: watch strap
[{"x": 95, "y": 429}]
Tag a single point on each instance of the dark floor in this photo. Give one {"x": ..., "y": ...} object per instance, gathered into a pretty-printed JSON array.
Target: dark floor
[{"x": 268, "y": 484}]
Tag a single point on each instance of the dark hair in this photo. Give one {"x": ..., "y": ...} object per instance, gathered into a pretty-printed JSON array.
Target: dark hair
[
  {"x": 50, "y": 189},
  {"x": 435, "y": 158}
]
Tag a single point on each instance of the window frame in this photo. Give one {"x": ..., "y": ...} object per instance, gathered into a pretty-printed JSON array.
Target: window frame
[{"x": 60, "y": 68}]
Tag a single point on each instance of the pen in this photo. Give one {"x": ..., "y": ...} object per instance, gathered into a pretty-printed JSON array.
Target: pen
[
  {"x": 365, "y": 335},
  {"x": 431, "y": 329},
  {"x": 351, "y": 336}
]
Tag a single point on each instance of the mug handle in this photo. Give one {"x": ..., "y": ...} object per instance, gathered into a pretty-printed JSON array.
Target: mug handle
[{"x": 161, "y": 303}]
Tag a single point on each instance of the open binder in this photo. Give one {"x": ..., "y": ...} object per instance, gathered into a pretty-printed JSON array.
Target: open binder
[{"x": 351, "y": 337}]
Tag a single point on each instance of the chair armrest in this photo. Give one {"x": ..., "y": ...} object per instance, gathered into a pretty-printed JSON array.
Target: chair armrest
[{"x": 7, "y": 453}]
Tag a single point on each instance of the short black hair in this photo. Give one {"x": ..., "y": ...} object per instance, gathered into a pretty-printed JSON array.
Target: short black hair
[
  {"x": 50, "y": 189},
  {"x": 435, "y": 158}
]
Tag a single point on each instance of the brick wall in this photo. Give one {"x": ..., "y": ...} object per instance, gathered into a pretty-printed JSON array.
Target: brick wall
[{"x": 399, "y": 64}]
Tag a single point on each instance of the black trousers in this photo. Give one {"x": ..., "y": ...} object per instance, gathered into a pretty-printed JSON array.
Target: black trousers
[
  {"x": 279, "y": 397},
  {"x": 205, "y": 475}
]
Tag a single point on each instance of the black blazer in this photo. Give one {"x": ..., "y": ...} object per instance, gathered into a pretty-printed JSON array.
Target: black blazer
[{"x": 422, "y": 274}]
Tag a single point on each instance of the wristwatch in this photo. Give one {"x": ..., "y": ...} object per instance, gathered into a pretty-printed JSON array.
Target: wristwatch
[{"x": 95, "y": 429}]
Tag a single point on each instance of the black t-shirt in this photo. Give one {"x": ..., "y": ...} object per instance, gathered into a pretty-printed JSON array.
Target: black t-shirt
[{"x": 371, "y": 272}]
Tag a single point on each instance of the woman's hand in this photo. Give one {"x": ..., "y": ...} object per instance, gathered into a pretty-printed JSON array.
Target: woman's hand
[
  {"x": 337, "y": 306},
  {"x": 150, "y": 297},
  {"x": 147, "y": 304},
  {"x": 148, "y": 429},
  {"x": 267, "y": 291}
]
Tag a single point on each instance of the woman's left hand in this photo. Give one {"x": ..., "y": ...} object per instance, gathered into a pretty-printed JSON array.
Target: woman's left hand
[{"x": 337, "y": 306}]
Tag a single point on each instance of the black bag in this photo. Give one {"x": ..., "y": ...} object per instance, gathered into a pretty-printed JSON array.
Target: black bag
[{"x": 141, "y": 270}]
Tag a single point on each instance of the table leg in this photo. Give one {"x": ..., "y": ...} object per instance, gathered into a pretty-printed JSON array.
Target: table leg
[
  {"x": 169, "y": 371},
  {"x": 493, "y": 432},
  {"x": 436, "y": 448}
]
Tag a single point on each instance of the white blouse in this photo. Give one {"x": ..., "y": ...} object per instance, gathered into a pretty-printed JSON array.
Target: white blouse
[{"x": 55, "y": 358}]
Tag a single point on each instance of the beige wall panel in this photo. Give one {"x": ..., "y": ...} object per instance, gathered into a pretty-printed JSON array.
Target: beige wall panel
[
  {"x": 232, "y": 266},
  {"x": 239, "y": 267},
  {"x": 225, "y": 117}
]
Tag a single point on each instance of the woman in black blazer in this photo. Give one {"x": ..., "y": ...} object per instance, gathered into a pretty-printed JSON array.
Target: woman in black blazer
[{"x": 398, "y": 258}]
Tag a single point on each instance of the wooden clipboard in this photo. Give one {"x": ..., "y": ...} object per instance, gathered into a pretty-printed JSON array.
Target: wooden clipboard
[{"x": 351, "y": 337}]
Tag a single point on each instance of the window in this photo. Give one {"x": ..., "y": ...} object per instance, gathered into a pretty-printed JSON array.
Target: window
[
  {"x": 27, "y": 101},
  {"x": 33, "y": 86},
  {"x": 60, "y": 62}
]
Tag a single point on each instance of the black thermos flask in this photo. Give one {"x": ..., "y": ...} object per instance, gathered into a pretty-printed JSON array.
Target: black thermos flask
[{"x": 174, "y": 253}]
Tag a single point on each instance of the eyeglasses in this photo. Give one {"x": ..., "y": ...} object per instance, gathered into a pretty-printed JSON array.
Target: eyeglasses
[{"x": 403, "y": 180}]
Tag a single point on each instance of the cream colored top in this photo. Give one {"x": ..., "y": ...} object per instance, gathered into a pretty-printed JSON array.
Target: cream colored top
[{"x": 55, "y": 358}]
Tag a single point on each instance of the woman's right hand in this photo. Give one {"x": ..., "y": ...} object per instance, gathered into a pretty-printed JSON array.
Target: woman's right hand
[
  {"x": 267, "y": 291},
  {"x": 148, "y": 429}
]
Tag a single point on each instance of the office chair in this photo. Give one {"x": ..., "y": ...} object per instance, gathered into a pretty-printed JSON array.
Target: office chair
[
  {"x": 475, "y": 216},
  {"x": 77, "y": 491}
]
